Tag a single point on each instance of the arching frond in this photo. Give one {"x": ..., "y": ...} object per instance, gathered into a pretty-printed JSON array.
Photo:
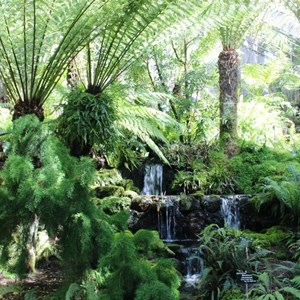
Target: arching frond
[
  {"x": 146, "y": 123},
  {"x": 239, "y": 18},
  {"x": 37, "y": 40}
]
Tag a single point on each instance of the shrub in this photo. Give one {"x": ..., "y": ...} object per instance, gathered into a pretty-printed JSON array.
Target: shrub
[{"x": 43, "y": 184}]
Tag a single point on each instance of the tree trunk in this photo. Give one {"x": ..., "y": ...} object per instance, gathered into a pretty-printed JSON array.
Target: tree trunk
[
  {"x": 32, "y": 242},
  {"x": 229, "y": 80},
  {"x": 24, "y": 108}
]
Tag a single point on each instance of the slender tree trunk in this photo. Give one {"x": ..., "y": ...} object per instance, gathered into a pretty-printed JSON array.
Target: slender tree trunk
[
  {"x": 228, "y": 81},
  {"x": 24, "y": 108},
  {"x": 32, "y": 242}
]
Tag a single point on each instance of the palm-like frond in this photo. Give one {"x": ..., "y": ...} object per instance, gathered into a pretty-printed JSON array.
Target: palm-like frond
[
  {"x": 37, "y": 40},
  {"x": 136, "y": 26},
  {"x": 131, "y": 23},
  {"x": 239, "y": 18}
]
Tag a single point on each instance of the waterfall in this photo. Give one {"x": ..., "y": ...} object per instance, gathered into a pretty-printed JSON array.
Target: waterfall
[
  {"x": 230, "y": 211},
  {"x": 167, "y": 218},
  {"x": 193, "y": 265},
  {"x": 153, "y": 180}
]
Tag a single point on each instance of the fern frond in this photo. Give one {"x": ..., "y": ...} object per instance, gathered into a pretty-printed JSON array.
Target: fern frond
[
  {"x": 144, "y": 122},
  {"x": 291, "y": 290},
  {"x": 296, "y": 281},
  {"x": 38, "y": 38}
]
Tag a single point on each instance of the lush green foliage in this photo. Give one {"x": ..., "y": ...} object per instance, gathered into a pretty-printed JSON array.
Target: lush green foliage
[
  {"x": 228, "y": 251},
  {"x": 87, "y": 120},
  {"x": 41, "y": 179},
  {"x": 285, "y": 193},
  {"x": 130, "y": 274}
]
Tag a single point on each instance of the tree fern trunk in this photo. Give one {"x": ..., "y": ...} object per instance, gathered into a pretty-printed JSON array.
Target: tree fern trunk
[
  {"x": 24, "y": 108},
  {"x": 228, "y": 82}
]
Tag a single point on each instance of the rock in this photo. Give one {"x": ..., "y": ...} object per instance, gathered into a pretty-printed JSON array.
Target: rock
[
  {"x": 211, "y": 203},
  {"x": 188, "y": 202},
  {"x": 112, "y": 205},
  {"x": 110, "y": 190},
  {"x": 131, "y": 194}
]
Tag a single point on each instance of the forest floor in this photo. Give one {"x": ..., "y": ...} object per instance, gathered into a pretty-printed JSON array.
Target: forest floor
[{"x": 43, "y": 283}]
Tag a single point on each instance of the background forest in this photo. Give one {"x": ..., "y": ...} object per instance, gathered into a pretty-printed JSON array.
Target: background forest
[{"x": 92, "y": 91}]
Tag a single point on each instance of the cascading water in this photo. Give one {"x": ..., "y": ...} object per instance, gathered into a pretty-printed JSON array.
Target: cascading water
[
  {"x": 167, "y": 218},
  {"x": 167, "y": 215},
  {"x": 230, "y": 211},
  {"x": 193, "y": 265},
  {"x": 153, "y": 180}
]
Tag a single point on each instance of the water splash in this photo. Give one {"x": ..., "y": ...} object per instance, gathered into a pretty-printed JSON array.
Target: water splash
[
  {"x": 194, "y": 265},
  {"x": 230, "y": 211},
  {"x": 153, "y": 180}
]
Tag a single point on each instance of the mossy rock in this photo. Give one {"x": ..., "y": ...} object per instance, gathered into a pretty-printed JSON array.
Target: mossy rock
[
  {"x": 211, "y": 203},
  {"x": 128, "y": 184},
  {"x": 188, "y": 203},
  {"x": 174, "y": 247},
  {"x": 113, "y": 205},
  {"x": 131, "y": 194},
  {"x": 107, "y": 191}
]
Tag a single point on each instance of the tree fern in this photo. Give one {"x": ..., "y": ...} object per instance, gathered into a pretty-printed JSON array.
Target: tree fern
[
  {"x": 122, "y": 38},
  {"x": 37, "y": 40}
]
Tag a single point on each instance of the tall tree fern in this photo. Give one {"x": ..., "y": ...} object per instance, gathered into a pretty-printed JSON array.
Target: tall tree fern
[
  {"x": 37, "y": 41},
  {"x": 241, "y": 15}
]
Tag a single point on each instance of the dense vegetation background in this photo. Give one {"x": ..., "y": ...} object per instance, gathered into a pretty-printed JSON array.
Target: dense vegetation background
[{"x": 92, "y": 89}]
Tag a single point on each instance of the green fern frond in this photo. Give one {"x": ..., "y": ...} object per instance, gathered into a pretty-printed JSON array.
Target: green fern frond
[
  {"x": 38, "y": 38},
  {"x": 144, "y": 122},
  {"x": 291, "y": 290},
  {"x": 239, "y": 16},
  {"x": 296, "y": 282}
]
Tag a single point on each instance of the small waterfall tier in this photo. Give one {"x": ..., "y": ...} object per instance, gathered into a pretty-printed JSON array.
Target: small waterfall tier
[
  {"x": 230, "y": 211},
  {"x": 167, "y": 217},
  {"x": 193, "y": 265},
  {"x": 153, "y": 180}
]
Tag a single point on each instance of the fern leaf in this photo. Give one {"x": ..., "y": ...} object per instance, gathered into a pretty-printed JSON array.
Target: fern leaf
[
  {"x": 296, "y": 282},
  {"x": 291, "y": 290}
]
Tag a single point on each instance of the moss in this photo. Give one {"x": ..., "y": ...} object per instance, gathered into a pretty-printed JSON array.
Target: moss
[
  {"x": 187, "y": 203},
  {"x": 252, "y": 166},
  {"x": 128, "y": 184},
  {"x": 197, "y": 194},
  {"x": 271, "y": 237},
  {"x": 111, "y": 190},
  {"x": 113, "y": 205},
  {"x": 131, "y": 194}
]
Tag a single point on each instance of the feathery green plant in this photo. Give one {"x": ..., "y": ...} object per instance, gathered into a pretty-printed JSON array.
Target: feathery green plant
[{"x": 42, "y": 182}]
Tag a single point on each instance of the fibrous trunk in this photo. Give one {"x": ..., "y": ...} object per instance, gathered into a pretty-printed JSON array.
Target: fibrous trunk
[
  {"x": 228, "y": 81},
  {"x": 24, "y": 108}
]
